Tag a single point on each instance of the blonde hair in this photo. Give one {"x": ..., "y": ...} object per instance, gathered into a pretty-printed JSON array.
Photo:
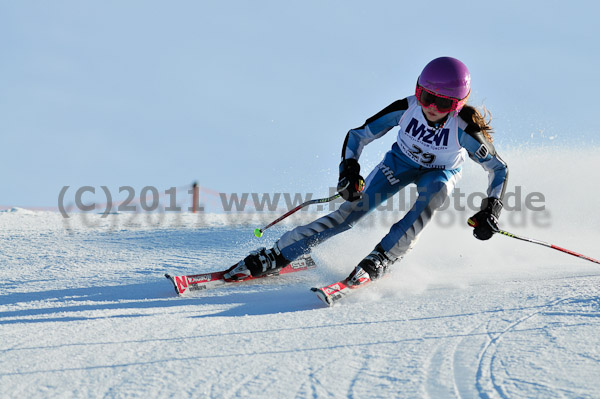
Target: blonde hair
[{"x": 479, "y": 120}]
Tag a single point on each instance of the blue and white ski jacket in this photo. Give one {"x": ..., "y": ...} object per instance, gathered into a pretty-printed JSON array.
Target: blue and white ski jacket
[{"x": 430, "y": 147}]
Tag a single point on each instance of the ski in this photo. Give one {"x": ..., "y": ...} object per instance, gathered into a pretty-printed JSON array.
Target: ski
[
  {"x": 332, "y": 293},
  {"x": 205, "y": 281}
]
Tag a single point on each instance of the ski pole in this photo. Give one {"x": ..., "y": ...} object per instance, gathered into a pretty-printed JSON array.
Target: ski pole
[
  {"x": 259, "y": 232},
  {"x": 545, "y": 244}
]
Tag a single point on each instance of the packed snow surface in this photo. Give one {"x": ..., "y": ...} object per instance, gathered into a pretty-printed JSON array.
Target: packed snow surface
[{"x": 86, "y": 312}]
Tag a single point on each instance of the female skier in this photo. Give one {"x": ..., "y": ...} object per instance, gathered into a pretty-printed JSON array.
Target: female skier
[{"x": 437, "y": 132}]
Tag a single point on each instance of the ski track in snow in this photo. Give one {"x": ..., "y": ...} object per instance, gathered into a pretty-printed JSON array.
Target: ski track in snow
[{"x": 87, "y": 313}]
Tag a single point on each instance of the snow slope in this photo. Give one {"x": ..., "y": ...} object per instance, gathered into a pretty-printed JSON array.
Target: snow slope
[{"x": 86, "y": 312}]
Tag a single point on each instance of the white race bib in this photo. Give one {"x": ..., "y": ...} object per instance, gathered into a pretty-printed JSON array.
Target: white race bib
[{"x": 436, "y": 148}]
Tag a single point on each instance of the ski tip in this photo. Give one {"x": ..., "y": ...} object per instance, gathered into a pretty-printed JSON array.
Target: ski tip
[
  {"x": 172, "y": 280},
  {"x": 322, "y": 296}
]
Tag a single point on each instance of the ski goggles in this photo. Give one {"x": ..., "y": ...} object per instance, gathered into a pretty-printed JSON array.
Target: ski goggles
[{"x": 441, "y": 103}]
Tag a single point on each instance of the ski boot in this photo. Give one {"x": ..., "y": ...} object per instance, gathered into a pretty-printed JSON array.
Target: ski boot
[
  {"x": 258, "y": 263},
  {"x": 372, "y": 267}
]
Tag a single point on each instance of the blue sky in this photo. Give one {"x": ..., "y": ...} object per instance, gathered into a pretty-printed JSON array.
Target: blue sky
[{"x": 258, "y": 96}]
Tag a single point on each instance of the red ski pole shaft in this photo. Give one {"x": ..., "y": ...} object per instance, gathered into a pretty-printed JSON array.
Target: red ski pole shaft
[
  {"x": 259, "y": 232},
  {"x": 545, "y": 244},
  {"x": 472, "y": 223}
]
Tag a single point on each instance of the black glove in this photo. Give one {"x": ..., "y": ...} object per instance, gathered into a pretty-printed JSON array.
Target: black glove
[
  {"x": 351, "y": 183},
  {"x": 485, "y": 222}
]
